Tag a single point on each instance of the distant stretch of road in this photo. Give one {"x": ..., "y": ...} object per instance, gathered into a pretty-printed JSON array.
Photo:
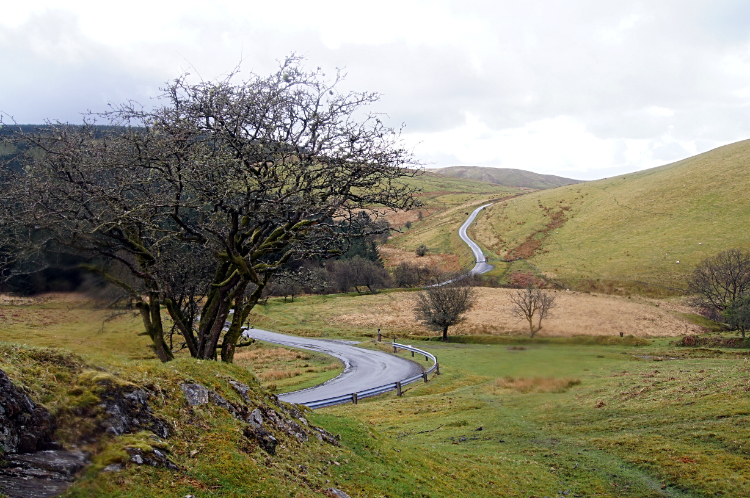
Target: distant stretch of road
[
  {"x": 481, "y": 265},
  {"x": 363, "y": 368}
]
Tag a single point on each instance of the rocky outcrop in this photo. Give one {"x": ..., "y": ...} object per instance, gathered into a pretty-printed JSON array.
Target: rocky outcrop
[
  {"x": 264, "y": 423},
  {"x": 127, "y": 411},
  {"x": 32, "y": 465},
  {"x": 24, "y": 426}
]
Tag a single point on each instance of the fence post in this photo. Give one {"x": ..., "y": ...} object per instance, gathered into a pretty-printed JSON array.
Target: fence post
[
  {"x": 424, "y": 376},
  {"x": 437, "y": 368},
  {"x": 398, "y": 389},
  {"x": 379, "y": 335},
  {"x": 354, "y": 398}
]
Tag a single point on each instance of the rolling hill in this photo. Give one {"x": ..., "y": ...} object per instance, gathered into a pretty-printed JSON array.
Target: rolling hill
[
  {"x": 650, "y": 227},
  {"x": 506, "y": 176}
]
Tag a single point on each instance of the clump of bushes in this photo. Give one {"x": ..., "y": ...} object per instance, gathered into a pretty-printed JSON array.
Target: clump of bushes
[{"x": 421, "y": 250}]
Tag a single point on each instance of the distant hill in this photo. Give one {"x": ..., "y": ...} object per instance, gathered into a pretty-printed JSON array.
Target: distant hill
[
  {"x": 651, "y": 226},
  {"x": 506, "y": 176}
]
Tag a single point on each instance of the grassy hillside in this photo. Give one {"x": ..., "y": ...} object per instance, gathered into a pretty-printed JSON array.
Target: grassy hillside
[
  {"x": 652, "y": 226},
  {"x": 539, "y": 418},
  {"x": 506, "y": 176},
  {"x": 445, "y": 203}
]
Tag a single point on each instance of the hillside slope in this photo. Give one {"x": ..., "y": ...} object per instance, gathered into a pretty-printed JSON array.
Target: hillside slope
[
  {"x": 652, "y": 226},
  {"x": 506, "y": 176},
  {"x": 445, "y": 202}
]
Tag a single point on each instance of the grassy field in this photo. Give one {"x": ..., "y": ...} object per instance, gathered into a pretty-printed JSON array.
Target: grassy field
[
  {"x": 576, "y": 313},
  {"x": 526, "y": 418},
  {"x": 71, "y": 322},
  {"x": 636, "y": 232},
  {"x": 550, "y": 420}
]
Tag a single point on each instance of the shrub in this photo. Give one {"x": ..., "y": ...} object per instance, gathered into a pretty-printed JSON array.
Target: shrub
[{"x": 421, "y": 250}]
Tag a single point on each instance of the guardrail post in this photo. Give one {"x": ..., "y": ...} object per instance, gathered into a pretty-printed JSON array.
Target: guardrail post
[
  {"x": 394, "y": 348},
  {"x": 354, "y": 398},
  {"x": 378, "y": 335},
  {"x": 424, "y": 376},
  {"x": 426, "y": 358},
  {"x": 437, "y": 368},
  {"x": 412, "y": 354},
  {"x": 398, "y": 389}
]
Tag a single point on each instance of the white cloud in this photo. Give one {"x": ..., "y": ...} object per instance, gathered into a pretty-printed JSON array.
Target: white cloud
[{"x": 577, "y": 88}]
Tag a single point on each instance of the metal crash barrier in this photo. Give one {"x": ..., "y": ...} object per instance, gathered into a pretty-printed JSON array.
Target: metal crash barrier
[{"x": 374, "y": 391}]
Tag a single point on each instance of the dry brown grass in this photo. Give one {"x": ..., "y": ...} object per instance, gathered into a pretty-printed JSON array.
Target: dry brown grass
[
  {"x": 269, "y": 355},
  {"x": 41, "y": 299},
  {"x": 576, "y": 314},
  {"x": 393, "y": 256},
  {"x": 278, "y": 374},
  {"x": 536, "y": 384}
]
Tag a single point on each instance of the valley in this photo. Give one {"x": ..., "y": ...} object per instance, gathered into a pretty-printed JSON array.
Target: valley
[{"x": 601, "y": 402}]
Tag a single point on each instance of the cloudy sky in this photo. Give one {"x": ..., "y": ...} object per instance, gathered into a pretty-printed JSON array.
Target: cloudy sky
[{"x": 576, "y": 88}]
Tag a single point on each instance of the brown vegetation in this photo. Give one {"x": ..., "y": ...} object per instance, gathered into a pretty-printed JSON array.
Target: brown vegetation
[
  {"x": 536, "y": 384},
  {"x": 576, "y": 314},
  {"x": 393, "y": 256}
]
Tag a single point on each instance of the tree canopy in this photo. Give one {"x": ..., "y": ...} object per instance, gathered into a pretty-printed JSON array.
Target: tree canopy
[{"x": 197, "y": 203}]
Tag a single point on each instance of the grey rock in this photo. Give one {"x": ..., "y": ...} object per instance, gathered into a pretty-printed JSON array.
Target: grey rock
[
  {"x": 265, "y": 439},
  {"x": 255, "y": 418},
  {"x": 195, "y": 394},
  {"x": 40, "y": 474},
  {"x": 129, "y": 412},
  {"x": 24, "y": 426},
  {"x": 336, "y": 493},
  {"x": 242, "y": 389},
  {"x": 155, "y": 458},
  {"x": 113, "y": 467}
]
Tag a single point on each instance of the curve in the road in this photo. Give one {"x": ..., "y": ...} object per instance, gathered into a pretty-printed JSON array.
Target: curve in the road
[
  {"x": 363, "y": 368},
  {"x": 481, "y": 265}
]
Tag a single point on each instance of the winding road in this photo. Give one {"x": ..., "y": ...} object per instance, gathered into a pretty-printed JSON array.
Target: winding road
[
  {"x": 481, "y": 265},
  {"x": 363, "y": 368}
]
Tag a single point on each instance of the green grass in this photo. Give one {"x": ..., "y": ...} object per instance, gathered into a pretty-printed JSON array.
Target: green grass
[
  {"x": 632, "y": 427},
  {"x": 631, "y": 229},
  {"x": 594, "y": 417}
]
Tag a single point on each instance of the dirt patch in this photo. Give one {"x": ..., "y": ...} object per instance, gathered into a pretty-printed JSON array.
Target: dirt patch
[{"x": 576, "y": 314}]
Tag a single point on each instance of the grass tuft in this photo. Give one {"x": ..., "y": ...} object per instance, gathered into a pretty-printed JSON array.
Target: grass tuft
[{"x": 536, "y": 384}]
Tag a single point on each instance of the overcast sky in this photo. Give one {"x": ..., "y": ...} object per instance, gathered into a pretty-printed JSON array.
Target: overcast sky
[{"x": 576, "y": 88}]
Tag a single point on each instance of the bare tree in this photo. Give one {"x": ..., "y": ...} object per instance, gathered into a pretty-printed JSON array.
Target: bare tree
[
  {"x": 719, "y": 280},
  {"x": 737, "y": 314},
  {"x": 532, "y": 302},
  {"x": 256, "y": 174},
  {"x": 443, "y": 306}
]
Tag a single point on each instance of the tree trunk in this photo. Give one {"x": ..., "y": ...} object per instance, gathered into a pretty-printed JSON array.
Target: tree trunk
[
  {"x": 151, "y": 315},
  {"x": 531, "y": 327},
  {"x": 445, "y": 334},
  {"x": 241, "y": 312}
]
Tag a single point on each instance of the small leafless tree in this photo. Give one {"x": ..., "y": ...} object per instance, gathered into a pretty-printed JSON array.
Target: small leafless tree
[
  {"x": 530, "y": 302},
  {"x": 718, "y": 281},
  {"x": 443, "y": 306}
]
